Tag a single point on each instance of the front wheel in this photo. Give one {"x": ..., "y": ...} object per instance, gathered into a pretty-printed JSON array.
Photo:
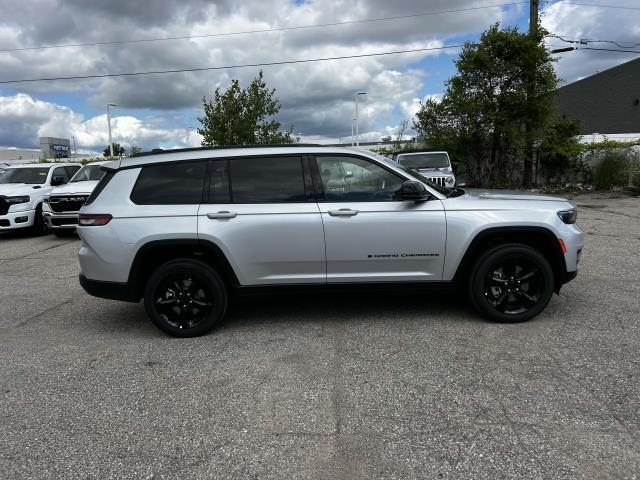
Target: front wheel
[
  {"x": 511, "y": 283},
  {"x": 39, "y": 225},
  {"x": 185, "y": 298}
]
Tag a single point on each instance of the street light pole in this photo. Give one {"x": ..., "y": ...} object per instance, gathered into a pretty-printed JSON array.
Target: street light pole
[
  {"x": 109, "y": 105},
  {"x": 356, "y": 118},
  {"x": 188, "y": 129}
]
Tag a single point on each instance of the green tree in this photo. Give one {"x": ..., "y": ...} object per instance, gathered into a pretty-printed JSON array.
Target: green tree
[
  {"x": 118, "y": 150},
  {"x": 486, "y": 116},
  {"x": 135, "y": 151},
  {"x": 242, "y": 116},
  {"x": 560, "y": 147}
]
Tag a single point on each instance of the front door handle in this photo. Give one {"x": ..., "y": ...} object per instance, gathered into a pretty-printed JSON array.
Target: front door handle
[
  {"x": 343, "y": 212},
  {"x": 219, "y": 215}
]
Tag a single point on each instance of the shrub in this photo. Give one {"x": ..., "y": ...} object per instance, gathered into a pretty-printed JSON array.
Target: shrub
[{"x": 610, "y": 170}]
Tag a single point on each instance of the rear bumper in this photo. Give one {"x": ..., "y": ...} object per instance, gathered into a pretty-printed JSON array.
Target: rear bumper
[{"x": 109, "y": 290}]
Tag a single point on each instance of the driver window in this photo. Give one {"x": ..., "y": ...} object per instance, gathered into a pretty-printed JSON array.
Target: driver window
[
  {"x": 351, "y": 179},
  {"x": 60, "y": 172}
]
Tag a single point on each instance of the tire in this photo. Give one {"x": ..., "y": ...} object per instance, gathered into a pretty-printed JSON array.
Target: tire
[
  {"x": 511, "y": 283},
  {"x": 39, "y": 225},
  {"x": 185, "y": 298},
  {"x": 64, "y": 233}
]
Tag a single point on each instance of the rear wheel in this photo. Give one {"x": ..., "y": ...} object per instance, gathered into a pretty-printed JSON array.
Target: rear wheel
[
  {"x": 511, "y": 283},
  {"x": 185, "y": 298}
]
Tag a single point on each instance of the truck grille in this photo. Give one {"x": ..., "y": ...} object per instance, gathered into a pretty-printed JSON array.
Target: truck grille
[
  {"x": 438, "y": 180},
  {"x": 4, "y": 206},
  {"x": 67, "y": 203}
]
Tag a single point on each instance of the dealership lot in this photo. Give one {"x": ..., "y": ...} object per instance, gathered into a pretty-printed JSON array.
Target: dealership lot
[{"x": 347, "y": 386}]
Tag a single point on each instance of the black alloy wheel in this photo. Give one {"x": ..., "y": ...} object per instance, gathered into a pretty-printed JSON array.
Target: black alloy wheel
[
  {"x": 511, "y": 283},
  {"x": 185, "y": 298}
]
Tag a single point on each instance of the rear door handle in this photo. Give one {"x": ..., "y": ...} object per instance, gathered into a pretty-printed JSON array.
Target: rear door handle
[
  {"x": 219, "y": 215},
  {"x": 343, "y": 212}
]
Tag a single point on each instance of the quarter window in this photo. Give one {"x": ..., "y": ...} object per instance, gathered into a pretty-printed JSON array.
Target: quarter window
[
  {"x": 352, "y": 179},
  {"x": 172, "y": 184}
]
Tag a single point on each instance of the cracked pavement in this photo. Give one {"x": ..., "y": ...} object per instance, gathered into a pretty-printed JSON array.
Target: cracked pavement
[{"x": 324, "y": 386}]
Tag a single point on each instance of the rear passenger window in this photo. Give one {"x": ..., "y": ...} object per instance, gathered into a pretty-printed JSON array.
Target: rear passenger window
[
  {"x": 173, "y": 184},
  {"x": 267, "y": 180}
]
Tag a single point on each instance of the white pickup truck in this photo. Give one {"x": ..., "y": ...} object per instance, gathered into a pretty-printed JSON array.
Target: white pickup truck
[
  {"x": 23, "y": 189},
  {"x": 61, "y": 206}
]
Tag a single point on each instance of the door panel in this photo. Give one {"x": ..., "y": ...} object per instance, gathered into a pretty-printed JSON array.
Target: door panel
[
  {"x": 277, "y": 240},
  {"x": 377, "y": 241}
]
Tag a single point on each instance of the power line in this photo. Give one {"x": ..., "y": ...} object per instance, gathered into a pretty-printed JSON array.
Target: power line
[
  {"x": 200, "y": 69},
  {"x": 609, "y": 50},
  {"x": 266, "y": 30},
  {"x": 584, "y": 41},
  {"x": 622, "y": 7}
]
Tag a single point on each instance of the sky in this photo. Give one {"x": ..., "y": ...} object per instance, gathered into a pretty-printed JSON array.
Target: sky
[{"x": 317, "y": 98}]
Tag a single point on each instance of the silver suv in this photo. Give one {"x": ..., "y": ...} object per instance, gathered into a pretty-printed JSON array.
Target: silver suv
[{"x": 185, "y": 229}]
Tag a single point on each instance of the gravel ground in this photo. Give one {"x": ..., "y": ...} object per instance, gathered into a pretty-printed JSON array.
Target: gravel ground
[{"x": 324, "y": 386}]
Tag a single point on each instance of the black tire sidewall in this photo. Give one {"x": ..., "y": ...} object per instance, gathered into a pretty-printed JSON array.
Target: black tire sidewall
[
  {"x": 488, "y": 260},
  {"x": 39, "y": 225},
  {"x": 205, "y": 273}
]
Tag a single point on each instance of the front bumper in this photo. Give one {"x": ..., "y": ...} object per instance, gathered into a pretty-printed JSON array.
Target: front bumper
[
  {"x": 61, "y": 221},
  {"x": 14, "y": 220}
]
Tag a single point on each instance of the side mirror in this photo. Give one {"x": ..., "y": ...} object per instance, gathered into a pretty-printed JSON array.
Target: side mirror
[
  {"x": 348, "y": 174},
  {"x": 57, "y": 180},
  {"x": 413, "y": 190}
]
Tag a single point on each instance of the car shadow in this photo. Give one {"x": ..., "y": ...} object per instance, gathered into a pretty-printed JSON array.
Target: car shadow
[
  {"x": 346, "y": 307},
  {"x": 249, "y": 311}
]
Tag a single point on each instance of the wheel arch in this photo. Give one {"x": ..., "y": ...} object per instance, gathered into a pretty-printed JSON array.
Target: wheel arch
[
  {"x": 155, "y": 253},
  {"x": 540, "y": 238}
]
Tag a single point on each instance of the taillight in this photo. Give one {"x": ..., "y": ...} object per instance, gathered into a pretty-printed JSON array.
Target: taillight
[{"x": 89, "y": 220}]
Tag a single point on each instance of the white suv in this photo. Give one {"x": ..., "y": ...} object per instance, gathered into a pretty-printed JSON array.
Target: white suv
[
  {"x": 434, "y": 165},
  {"x": 62, "y": 205},
  {"x": 23, "y": 189},
  {"x": 184, "y": 229}
]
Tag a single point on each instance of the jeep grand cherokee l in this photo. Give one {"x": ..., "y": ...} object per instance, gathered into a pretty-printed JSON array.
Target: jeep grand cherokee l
[{"x": 184, "y": 229}]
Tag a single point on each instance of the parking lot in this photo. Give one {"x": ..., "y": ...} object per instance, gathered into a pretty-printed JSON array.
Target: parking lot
[{"x": 324, "y": 386}]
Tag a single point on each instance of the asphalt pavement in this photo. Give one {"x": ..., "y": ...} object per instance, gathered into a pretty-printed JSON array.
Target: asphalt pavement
[{"x": 324, "y": 386}]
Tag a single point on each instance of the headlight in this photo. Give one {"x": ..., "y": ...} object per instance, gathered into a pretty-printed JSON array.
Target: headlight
[
  {"x": 17, "y": 200},
  {"x": 568, "y": 216},
  {"x": 449, "y": 180}
]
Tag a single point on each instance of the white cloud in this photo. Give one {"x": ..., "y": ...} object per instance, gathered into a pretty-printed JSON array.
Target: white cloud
[
  {"x": 23, "y": 119},
  {"x": 592, "y": 23},
  {"x": 316, "y": 97}
]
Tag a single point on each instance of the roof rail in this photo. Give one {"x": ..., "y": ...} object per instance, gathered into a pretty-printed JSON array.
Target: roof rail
[{"x": 158, "y": 151}]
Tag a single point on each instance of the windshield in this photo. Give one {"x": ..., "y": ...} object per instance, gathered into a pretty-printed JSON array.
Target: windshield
[
  {"x": 25, "y": 175},
  {"x": 87, "y": 173},
  {"x": 424, "y": 160},
  {"x": 438, "y": 188}
]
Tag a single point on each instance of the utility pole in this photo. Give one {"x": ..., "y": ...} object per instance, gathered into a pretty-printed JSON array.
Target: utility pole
[{"x": 531, "y": 91}]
